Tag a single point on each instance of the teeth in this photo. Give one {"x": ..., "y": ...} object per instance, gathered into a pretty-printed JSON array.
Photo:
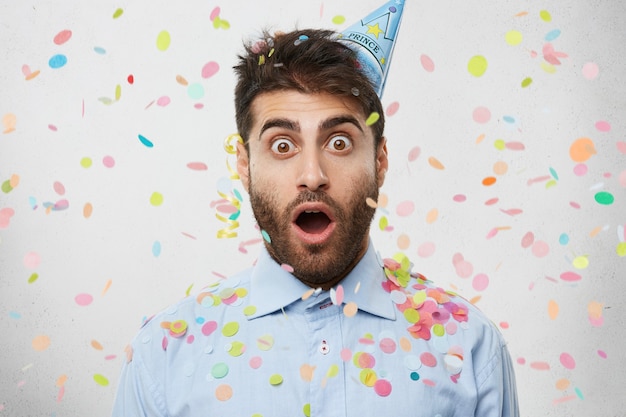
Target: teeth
[{"x": 311, "y": 211}]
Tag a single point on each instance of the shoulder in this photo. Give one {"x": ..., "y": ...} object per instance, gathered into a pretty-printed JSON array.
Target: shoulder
[{"x": 434, "y": 311}]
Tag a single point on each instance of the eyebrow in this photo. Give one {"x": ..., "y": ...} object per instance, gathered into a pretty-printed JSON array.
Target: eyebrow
[{"x": 324, "y": 124}]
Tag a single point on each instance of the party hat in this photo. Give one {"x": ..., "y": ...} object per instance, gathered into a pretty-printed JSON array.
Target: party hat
[{"x": 373, "y": 39}]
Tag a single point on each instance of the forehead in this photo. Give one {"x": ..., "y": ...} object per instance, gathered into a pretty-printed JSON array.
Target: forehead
[{"x": 301, "y": 107}]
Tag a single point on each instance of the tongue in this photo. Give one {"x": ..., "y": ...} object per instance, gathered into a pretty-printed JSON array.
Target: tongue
[{"x": 313, "y": 223}]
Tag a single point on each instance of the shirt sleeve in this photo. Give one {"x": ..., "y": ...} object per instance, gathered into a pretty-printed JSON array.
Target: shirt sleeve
[
  {"x": 138, "y": 394},
  {"x": 497, "y": 393}
]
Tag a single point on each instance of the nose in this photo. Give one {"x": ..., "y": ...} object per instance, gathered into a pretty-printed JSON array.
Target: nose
[{"x": 312, "y": 171}]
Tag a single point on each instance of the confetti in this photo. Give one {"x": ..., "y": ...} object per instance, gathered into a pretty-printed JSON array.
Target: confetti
[
  {"x": 513, "y": 37},
  {"x": 427, "y": 63},
  {"x": 156, "y": 199},
  {"x": 604, "y": 198},
  {"x": 101, "y": 380},
  {"x": 83, "y": 299},
  {"x": 62, "y": 37},
  {"x": 210, "y": 69},
  {"x": 338, "y": 20},
  {"x": 163, "y": 40},
  {"x": 41, "y": 343},
  {"x": 372, "y": 119},
  {"x": 477, "y": 65},
  {"x": 435, "y": 163},
  {"x": 57, "y": 61},
  {"x": 481, "y": 115},
  {"x": 145, "y": 141}
]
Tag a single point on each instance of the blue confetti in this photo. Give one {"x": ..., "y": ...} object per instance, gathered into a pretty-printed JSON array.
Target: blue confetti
[
  {"x": 99, "y": 50},
  {"x": 266, "y": 236},
  {"x": 564, "y": 239},
  {"x": 554, "y": 174},
  {"x": 552, "y": 35},
  {"x": 57, "y": 61},
  {"x": 156, "y": 248},
  {"x": 145, "y": 141}
]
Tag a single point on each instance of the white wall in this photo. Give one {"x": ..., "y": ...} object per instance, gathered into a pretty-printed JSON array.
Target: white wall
[{"x": 62, "y": 116}]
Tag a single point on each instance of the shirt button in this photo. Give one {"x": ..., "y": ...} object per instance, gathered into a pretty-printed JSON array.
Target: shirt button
[{"x": 324, "y": 348}]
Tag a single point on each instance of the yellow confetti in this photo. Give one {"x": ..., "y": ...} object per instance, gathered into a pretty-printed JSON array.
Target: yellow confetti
[
  {"x": 477, "y": 65},
  {"x": 581, "y": 262},
  {"x": 373, "y": 118},
  {"x": 118, "y": 92},
  {"x": 163, "y": 40}
]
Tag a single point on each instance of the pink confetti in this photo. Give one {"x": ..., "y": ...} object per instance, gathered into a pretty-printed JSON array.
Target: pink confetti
[
  {"x": 590, "y": 70},
  {"x": 108, "y": 161},
  {"x": 459, "y": 198},
  {"x": 214, "y": 13},
  {"x": 210, "y": 69},
  {"x": 574, "y": 204},
  {"x": 382, "y": 387},
  {"x": 463, "y": 268},
  {"x": 492, "y": 201},
  {"x": 287, "y": 268},
  {"x": 528, "y": 240},
  {"x": 83, "y": 299},
  {"x": 492, "y": 233},
  {"x": 163, "y": 101},
  {"x": 603, "y": 126},
  {"x": 602, "y": 354},
  {"x": 512, "y": 212},
  {"x": 426, "y": 249},
  {"x": 622, "y": 178},
  {"x": 480, "y": 282},
  {"x": 392, "y": 108},
  {"x": 570, "y": 276},
  {"x": 580, "y": 169},
  {"x": 621, "y": 146},
  {"x": 32, "y": 260},
  {"x": 567, "y": 361},
  {"x": 256, "y": 362},
  {"x": 427, "y": 63},
  {"x": 515, "y": 146},
  {"x": 540, "y": 249},
  {"x": 209, "y": 327},
  {"x": 197, "y": 166},
  {"x": 5, "y": 217},
  {"x": 339, "y": 293},
  {"x": 58, "y": 188},
  {"x": 52, "y": 127},
  {"x": 481, "y": 115},
  {"x": 414, "y": 153},
  {"x": 428, "y": 359},
  {"x": 405, "y": 208},
  {"x": 540, "y": 366},
  {"x": 62, "y": 37}
]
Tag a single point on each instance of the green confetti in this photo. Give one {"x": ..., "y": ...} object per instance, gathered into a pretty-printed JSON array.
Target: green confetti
[
  {"x": 373, "y": 118},
  {"x": 33, "y": 278},
  {"x": 118, "y": 13},
  {"x": 604, "y": 198},
  {"x": 526, "y": 82},
  {"x": 101, "y": 380}
]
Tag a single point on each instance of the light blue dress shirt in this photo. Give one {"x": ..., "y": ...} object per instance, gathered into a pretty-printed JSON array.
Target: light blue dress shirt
[{"x": 261, "y": 344}]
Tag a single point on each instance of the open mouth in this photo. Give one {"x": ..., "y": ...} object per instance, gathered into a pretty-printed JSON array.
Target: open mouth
[{"x": 313, "y": 222}]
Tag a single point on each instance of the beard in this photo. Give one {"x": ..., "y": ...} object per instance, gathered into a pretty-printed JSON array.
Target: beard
[{"x": 317, "y": 264}]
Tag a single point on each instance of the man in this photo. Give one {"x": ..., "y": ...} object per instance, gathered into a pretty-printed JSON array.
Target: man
[{"x": 320, "y": 326}]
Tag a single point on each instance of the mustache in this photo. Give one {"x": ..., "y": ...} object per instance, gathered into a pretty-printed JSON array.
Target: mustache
[{"x": 308, "y": 196}]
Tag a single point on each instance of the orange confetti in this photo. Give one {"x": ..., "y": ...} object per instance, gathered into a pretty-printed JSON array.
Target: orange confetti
[
  {"x": 475, "y": 299},
  {"x": 435, "y": 163},
  {"x": 562, "y": 384},
  {"x": 61, "y": 380},
  {"x": 87, "y": 210},
  {"x": 350, "y": 309},
  {"x": 224, "y": 392},
  {"x": 582, "y": 149},
  {"x": 595, "y": 231},
  {"x": 370, "y": 202},
  {"x": 41, "y": 343},
  {"x": 432, "y": 216},
  {"x": 14, "y": 180},
  {"x": 553, "y": 309},
  {"x": 181, "y": 80},
  {"x": 480, "y": 138},
  {"x": 540, "y": 366},
  {"x": 106, "y": 287},
  {"x": 96, "y": 345},
  {"x": 306, "y": 372},
  {"x": 405, "y": 344},
  {"x": 487, "y": 181},
  {"x": 520, "y": 14}
]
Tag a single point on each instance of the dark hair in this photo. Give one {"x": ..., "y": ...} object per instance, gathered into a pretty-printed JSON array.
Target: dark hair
[{"x": 308, "y": 61}]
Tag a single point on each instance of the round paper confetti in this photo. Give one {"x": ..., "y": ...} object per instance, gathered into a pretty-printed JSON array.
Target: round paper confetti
[
  {"x": 604, "y": 198},
  {"x": 567, "y": 361},
  {"x": 427, "y": 63},
  {"x": 223, "y": 392},
  {"x": 477, "y": 65},
  {"x": 582, "y": 149},
  {"x": 513, "y": 37},
  {"x": 210, "y": 69},
  {"x": 276, "y": 379},
  {"x": 156, "y": 199},
  {"x": 41, "y": 343},
  {"x": 163, "y": 40},
  {"x": 32, "y": 260},
  {"x": 590, "y": 70},
  {"x": 382, "y": 387},
  {"x": 83, "y": 299},
  {"x": 62, "y": 37},
  {"x": 57, "y": 61}
]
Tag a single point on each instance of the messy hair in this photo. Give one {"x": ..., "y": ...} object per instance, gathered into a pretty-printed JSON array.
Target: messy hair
[{"x": 308, "y": 61}]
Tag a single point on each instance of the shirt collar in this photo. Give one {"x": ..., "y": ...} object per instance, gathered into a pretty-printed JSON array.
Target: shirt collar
[{"x": 273, "y": 288}]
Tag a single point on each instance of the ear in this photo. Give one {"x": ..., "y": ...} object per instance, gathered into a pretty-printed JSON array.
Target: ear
[
  {"x": 243, "y": 165},
  {"x": 382, "y": 162}
]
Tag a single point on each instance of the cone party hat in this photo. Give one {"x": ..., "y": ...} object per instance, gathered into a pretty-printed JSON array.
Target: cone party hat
[{"x": 373, "y": 39}]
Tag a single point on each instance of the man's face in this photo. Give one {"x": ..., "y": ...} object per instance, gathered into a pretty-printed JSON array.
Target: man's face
[{"x": 312, "y": 163}]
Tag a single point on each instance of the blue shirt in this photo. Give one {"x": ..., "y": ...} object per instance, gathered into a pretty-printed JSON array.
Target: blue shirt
[{"x": 385, "y": 342}]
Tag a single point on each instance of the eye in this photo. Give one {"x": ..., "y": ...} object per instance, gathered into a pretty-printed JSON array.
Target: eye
[
  {"x": 282, "y": 146},
  {"x": 339, "y": 143}
]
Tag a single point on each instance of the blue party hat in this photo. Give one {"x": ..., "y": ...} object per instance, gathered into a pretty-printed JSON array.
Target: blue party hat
[{"x": 373, "y": 39}]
